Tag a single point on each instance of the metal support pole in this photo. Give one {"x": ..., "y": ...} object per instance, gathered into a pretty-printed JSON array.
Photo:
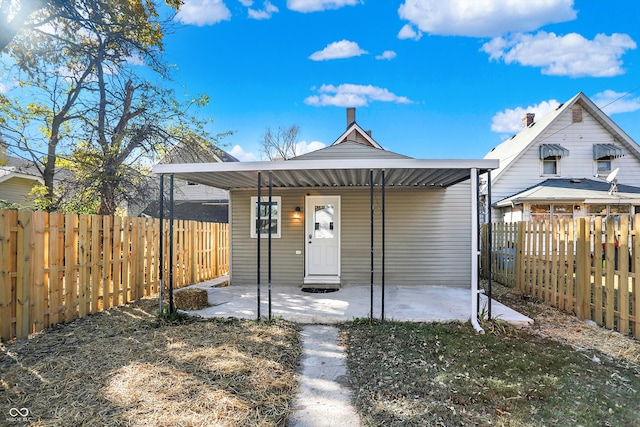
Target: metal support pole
[
  {"x": 478, "y": 248},
  {"x": 257, "y": 220},
  {"x": 161, "y": 254},
  {"x": 490, "y": 244},
  {"x": 270, "y": 231},
  {"x": 171, "y": 307},
  {"x": 383, "y": 246},
  {"x": 371, "y": 222}
]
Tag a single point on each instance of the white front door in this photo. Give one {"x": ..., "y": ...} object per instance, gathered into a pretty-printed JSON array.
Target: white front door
[{"x": 322, "y": 233}]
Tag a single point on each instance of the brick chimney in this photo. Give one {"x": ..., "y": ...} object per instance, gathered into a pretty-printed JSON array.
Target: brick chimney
[
  {"x": 528, "y": 119},
  {"x": 351, "y": 116}
]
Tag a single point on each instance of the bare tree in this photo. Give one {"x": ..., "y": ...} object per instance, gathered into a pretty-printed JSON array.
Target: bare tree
[{"x": 280, "y": 145}]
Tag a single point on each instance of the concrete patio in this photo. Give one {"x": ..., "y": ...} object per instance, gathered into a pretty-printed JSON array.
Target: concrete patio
[{"x": 402, "y": 303}]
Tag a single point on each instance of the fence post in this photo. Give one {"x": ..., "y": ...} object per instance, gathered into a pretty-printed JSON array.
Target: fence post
[
  {"x": 583, "y": 271},
  {"x": 37, "y": 265},
  {"x": 623, "y": 275},
  {"x": 519, "y": 255}
]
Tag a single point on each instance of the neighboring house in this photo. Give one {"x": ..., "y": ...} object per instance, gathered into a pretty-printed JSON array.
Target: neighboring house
[
  {"x": 322, "y": 210},
  {"x": 558, "y": 167},
  {"x": 17, "y": 179},
  {"x": 192, "y": 200}
]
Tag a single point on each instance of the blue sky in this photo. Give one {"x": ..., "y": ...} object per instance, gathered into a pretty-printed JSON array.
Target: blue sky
[{"x": 430, "y": 78}]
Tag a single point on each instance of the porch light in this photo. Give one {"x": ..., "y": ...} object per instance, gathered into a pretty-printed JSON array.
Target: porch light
[{"x": 297, "y": 214}]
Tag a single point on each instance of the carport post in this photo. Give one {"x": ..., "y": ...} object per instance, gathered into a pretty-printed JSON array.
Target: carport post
[
  {"x": 171, "y": 308},
  {"x": 256, "y": 218},
  {"x": 161, "y": 252},
  {"x": 371, "y": 222},
  {"x": 383, "y": 242},
  {"x": 280, "y": 225}
]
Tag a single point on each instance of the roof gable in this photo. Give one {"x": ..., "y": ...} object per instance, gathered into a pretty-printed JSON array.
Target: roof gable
[
  {"x": 350, "y": 150},
  {"x": 355, "y": 133},
  {"x": 509, "y": 151}
]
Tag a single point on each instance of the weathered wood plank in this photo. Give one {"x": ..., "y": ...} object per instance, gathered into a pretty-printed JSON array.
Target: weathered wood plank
[
  {"x": 623, "y": 274},
  {"x": 8, "y": 221},
  {"x": 610, "y": 274},
  {"x": 37, "y": 266},
  {"x": 598, "y": 288}
]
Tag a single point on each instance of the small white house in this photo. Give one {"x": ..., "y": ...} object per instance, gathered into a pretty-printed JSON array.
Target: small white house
[{"x": 573, "y": 162}]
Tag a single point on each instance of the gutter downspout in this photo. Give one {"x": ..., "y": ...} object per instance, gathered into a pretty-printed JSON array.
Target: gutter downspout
[{"x": 474, "y": 251}]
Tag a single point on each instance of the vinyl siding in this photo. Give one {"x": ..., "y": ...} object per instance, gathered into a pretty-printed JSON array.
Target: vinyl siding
[
  {"x": 198, "y": 192},
  {"x": 350, "y": 150},
  {"x": 579, "y": 139},
  {"x": 428, "y": 237},
  {"x": 16, "y": 190}
]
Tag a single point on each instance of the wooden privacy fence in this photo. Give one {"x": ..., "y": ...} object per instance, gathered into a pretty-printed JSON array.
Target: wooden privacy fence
[
  {"x": 588, "y": 266},
  {"x": 57, "y": 267}
]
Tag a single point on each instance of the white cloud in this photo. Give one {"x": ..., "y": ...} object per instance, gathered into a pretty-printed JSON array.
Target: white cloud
[
  {"x": 305, "y": 6},
  {"x": 135, "y": 59},
  {"x": 408, "y": 32},
  {"x": 306, "y": 147},
  {"x": 570, "y": 55},
  {"x": 510, "y": 120},
  {"x": 3, "y": 88},
  {"x": 350, "y": 95},
  {"x": 266, "y": 13},
  {"x": 387, "y": 54},
  {"x": 484, "y": 18},
  {"x": 246, "y": 3},
  {"x": 244, "y": 156},
  {"x": 612, "y": 102},
  {"x": 338, "y": 50},
  {"x": 203, "y": 12}
]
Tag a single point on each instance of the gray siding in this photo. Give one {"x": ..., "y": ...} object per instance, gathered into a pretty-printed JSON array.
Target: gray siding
[
  {"x": 428, "y": 237},
  {"x": 350, "y": 150}
]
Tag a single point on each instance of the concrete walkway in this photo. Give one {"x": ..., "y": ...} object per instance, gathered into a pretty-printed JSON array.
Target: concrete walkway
[{"x": 324, "y": 398}]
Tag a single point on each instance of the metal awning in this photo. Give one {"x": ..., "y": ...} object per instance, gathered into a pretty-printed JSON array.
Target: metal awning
[
  {"x": 405, "y": 173},
  {"x": 552, "y": 150},
  {"x": 606, "y": 150}
]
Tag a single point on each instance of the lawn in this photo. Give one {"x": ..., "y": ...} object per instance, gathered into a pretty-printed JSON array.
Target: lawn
[
  {"x": 128, "y": 367},
  {"x": 412, "y": 374}
]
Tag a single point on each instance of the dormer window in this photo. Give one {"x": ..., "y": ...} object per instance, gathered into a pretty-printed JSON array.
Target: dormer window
[
  {"x": 550, "y": 155},
  {"x": 576, "y": 114}
]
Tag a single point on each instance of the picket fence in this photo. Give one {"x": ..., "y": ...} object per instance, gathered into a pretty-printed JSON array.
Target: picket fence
[
  {"x": 57, "y": 267},
  {"x": 587, "y": 266}
]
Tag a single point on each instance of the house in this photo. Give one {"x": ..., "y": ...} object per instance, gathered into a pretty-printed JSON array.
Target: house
[
  {"x": 350, "y": 214},
  {"x": 573, "y": 162},
  {"x": 17, "y": 179},
  {"x": 195, "y": 201}
]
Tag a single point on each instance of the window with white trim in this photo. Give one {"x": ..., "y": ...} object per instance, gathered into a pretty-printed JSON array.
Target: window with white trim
[{"x": 260, "y": 217}]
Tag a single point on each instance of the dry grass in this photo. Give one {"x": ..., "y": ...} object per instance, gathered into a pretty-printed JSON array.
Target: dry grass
[
  {"x": 566, "y": 328},
  {"x": 560, "y": 371},
  {"x": 128, "y": 367}
]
